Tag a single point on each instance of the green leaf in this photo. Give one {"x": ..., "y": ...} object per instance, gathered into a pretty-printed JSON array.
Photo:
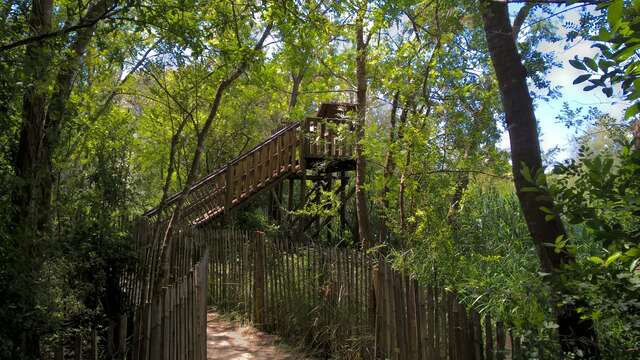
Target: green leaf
[
  {"x": 632, "y": 111},
  {"x": 577, "y": 64},
  {"x": 611, "y": 259},
  {"x": 615, "y": 13},
  {"x": 546, "y": 210},
  {"x": 591, "y": 64},
  {"x": 603, "y": 35},
  {"x": 549, "y": 217},
  {"x": 596, "y": 260},
  {"x": 526, "y": 173},
  {"x": 633, "y": 252},
  {"x": 581, "y": 78}
]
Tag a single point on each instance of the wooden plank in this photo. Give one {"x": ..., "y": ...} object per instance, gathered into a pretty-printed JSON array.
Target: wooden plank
[
  {"x": 122, "y": 336},
  {"x": 189, "y": 320},
  {"x": 500, "y": 341},
  {"x": 412, "y": 319},
  {"x": 259, "y": 282},
  {"x": 516, "y": 345},
  {"x": 77, "y": 347},
  {"x": 156, "y": 329},
  {"x": 488, "y": 328},
  {"x": 228, "y": 202}
]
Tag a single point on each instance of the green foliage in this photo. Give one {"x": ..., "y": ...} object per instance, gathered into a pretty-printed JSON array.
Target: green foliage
[
  {"x": 599, "y": 196},
  {"x": 617, "y": 62},
  {"x": 112, "y": 156}
]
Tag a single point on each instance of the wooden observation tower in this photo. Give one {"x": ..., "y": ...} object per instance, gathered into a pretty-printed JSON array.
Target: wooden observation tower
[{"x": 295, "y": 165}]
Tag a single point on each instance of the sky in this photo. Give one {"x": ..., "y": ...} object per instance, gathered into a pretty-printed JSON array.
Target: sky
[{"x": 554, "y": 134}]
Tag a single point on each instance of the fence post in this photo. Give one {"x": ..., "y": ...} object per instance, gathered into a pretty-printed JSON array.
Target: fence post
[
  {"x": 156, "y": 330},
  {"x": 94, "y": 344},
  {"x": 59, "y": 352},
  {"x": 145, "y": 333},
  {"x": 258, "y": 280},
  {"x": 122, "y": 337},
  {"x": 477, "y": 336},
  {"x": 78, "y": 347},
  {"x": 488, "y": 328},
  {"x": 205, "y": 279},
  {"x": 500, "y": 340},
  {"x": 228, "y": 198}
]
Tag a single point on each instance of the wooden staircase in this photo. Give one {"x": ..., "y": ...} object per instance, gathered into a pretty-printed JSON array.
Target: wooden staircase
[{"x": 289, "y": 151}]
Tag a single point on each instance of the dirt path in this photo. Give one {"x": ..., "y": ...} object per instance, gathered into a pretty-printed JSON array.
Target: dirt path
[{"x": 230, "y": 341}]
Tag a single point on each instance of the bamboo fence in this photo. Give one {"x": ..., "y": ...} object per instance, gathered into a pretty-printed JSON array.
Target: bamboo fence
[{"x": 341, "y": 302}]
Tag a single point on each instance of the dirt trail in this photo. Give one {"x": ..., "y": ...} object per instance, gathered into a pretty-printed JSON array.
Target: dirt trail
[{"x": 230, "y": 341}]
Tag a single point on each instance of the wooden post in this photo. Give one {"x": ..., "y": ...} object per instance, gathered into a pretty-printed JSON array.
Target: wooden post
[
  {"x": 500, "y": 341},
  {"x": 166, "y": 335},
  {"x": 488, "y": 328},
  {"x": 516, "y": 345},
  {"x": 203, "y": 299},
  {"x": 412, "y": 322},
  {"x": 94, "y": 344},
  {"x": 145, "y": 331},
  {"x": 477, "y": 336},
  {"x": 59, "y": 353},
  {"x": 258, "y": 278},
  {"x": 122, "y": 337},
  {"x": 78, "y": 348},
  {"x": 110, "y": 346},
  {"x": 228, "y": 200},
  {"x": 451, "y": 323}
]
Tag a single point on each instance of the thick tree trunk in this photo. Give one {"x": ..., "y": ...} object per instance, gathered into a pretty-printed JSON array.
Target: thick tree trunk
[
  {"x": 42, "y": 117},
  {"x": 34, "y": 174},
  {"x": 28, "y": 164},
  {"x": 362, "y": 208},
  {"x": 525, "y": 154}
]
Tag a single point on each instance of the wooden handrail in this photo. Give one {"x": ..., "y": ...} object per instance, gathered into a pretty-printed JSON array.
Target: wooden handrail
[{"x": 265, "y": 162}]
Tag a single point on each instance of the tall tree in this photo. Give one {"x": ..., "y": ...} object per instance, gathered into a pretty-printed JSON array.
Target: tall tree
[
  {"x": 545, "y": 226},
  {"x": 43, "y": 116},
  {"x": 194, "y": 170},
  {"x": 362, "y": 44}
]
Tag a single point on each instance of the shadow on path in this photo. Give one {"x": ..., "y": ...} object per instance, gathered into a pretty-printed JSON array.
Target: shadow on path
[{"x": 229, "y": 341}]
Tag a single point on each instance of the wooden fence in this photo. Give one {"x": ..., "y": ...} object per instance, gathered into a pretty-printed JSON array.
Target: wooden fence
[
  {"x": 339, "y": 301},
  {"x": 164, "y": 323}
]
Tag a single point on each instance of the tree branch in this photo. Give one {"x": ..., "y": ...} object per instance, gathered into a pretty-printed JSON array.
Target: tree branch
[
  {"x": 82, "y": 24},
  {"x": 461, "y": 171},
  {"x": 565, "y": 2},
  {"x": 520, "y": 18}
]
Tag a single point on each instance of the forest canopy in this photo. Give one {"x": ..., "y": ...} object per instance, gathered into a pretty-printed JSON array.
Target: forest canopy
[{"x": 109, "y": 107}]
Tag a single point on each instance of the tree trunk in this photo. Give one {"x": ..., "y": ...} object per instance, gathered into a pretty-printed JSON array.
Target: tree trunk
[
  {"x": 462, "y": 183},
  {"x": 389, "y": 166},
  {"x": 192, "y": 175},
  {"x": 362, "y": 209},
  {"x": 28, "y": 164},
  {"x": 295, "y": 88},
  {"x": 42, "y": 118},
  {"x": 407, "y": 161},
  {"x": 525, "y": 154}
]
